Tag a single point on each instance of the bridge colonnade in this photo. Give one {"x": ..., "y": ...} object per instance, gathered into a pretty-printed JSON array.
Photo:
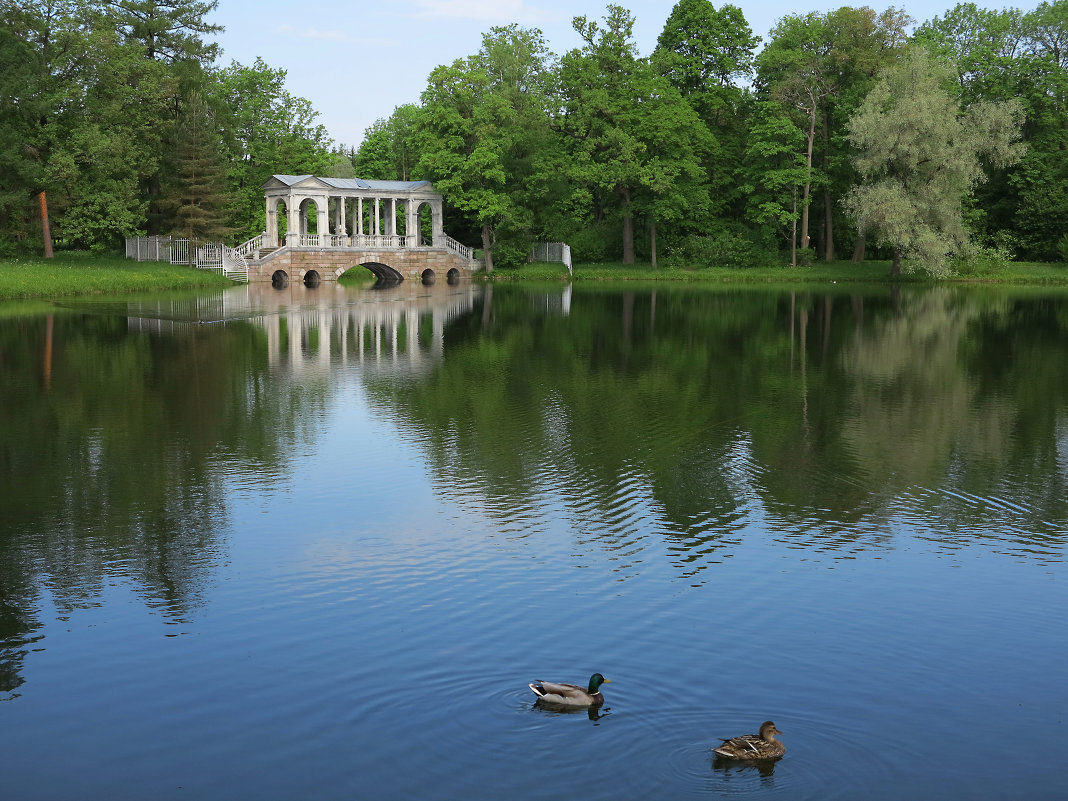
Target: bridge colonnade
[{"x": 364, "y": 213}]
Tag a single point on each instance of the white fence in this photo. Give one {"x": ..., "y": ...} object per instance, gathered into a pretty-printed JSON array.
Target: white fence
[
  {"x": 551, "y": 251},
  {"x": 211, "y": 256},
  {"x": 148, "y": 248}
]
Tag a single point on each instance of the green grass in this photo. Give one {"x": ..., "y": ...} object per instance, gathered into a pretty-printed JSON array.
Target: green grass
[
  {"x": 821, "y": 272},
  {"x": 87, "y": 274}
]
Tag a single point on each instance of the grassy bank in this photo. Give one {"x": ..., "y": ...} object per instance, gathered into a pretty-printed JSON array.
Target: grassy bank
[
  {"x": 84, "y": 274},
  {"x": 822, "y": 272}
]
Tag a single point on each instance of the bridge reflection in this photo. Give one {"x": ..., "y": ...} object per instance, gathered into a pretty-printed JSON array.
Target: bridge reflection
[{"x": 400, "y": 326}]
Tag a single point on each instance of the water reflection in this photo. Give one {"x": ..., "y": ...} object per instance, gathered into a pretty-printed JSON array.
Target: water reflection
[
  {"x": 697, "y": 416},
  {"x": 765, "y": 768},
  {"x": 678, "y": 423},
  {"x": 594, "y": 713}
]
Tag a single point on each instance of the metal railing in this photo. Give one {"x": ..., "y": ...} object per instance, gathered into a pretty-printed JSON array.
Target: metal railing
[
  {"x": 210, "y": 256},
  {"x": 148, "y": 248},
  {"x": 552, "y": 252}
]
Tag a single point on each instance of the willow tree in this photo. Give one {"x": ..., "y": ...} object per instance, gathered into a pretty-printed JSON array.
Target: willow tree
[{"x": 920, "y": 156}]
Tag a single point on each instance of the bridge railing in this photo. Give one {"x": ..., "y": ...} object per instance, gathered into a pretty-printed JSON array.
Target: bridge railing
[
  {"x": 383, "y": 241},
  {"x": 455, "y": 247},
  {"x": 250, "y": 246}
]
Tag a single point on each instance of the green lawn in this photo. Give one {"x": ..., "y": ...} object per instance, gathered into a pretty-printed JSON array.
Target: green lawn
[{"x": 85, "y": 274}]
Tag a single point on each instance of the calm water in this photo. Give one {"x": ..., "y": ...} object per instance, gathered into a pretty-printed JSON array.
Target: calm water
[{"x": 315, "y": 543}]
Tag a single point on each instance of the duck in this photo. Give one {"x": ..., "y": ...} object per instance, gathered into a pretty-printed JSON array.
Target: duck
[
  {"x": 550, "y": 692},
  {"x": 753, "y": 747}
]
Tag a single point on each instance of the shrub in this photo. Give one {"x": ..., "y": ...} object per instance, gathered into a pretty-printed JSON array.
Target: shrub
[
  {"x": 979, "y": 260},
  {"x": 730, "y": 246}
]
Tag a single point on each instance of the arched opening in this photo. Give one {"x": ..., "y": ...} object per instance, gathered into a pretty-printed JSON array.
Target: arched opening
[
  {"x": 309, "y": 217},
  {"x": 383, "y": 272},
  {"x": 428, "y": 277},
  {"x": 311, "y": 278},
  {"x": 281, "y": 217},
  {"x": 280, "y": 279},
  {"x": 453, "y": 276},
  {"x": 424, "y": 230}
]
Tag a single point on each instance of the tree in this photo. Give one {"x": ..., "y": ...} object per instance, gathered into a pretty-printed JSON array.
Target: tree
[
  {"x": 822, "y": 66},
  {"x": 633, "y": 142},
  {"x": 1008, "y": 54},
  {"x": 480, "y": 124},
  {"x": 775, "y": 169},
  {"x": 21, "y": 107},
  {"x": 704, "y": 53},
  {"x": 266, "y": 130},
  {"x": 387, "y": 152},
  {"x": 198, "y": 194},
  {"x": 920, "y": 156},
  {"x": 169, "y": 30}
]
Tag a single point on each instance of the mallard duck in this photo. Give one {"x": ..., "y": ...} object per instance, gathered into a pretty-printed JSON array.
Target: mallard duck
[
  {"x": 549, "y": 692},
  {"x": 753, "y": 747}
]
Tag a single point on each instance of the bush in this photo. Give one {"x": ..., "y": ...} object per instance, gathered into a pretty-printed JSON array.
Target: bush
[
  {"x": 731, "y": 246},
  {"x": 593, "y": 244},
  {"x": 978, "y": 261},
  {"x": 509, "y": 255},
  {"x": 1062, "y": 248}
]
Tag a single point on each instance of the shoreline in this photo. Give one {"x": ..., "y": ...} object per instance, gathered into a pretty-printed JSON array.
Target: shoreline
[{"x": 70, "y": 274}]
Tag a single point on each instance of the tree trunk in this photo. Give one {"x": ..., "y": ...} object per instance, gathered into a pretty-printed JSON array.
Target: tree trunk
[
  {"x": 652, "y": 241},
  {"x": 45, "y": 230},
  {"x": 895, "y": 265},
  {"x": 828, "y": 205},
  {"x": 628, "y": 227},
  {"x": 808, "y": 177},
  {"x": 858, "y": 247},
  {"x": 793, "y": 236},
  {"x": 487, "y": 246},
  {"x": 828, "y": 209}
]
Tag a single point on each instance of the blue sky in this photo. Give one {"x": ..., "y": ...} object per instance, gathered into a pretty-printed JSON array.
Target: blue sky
[{"x": 356, "y": 60}]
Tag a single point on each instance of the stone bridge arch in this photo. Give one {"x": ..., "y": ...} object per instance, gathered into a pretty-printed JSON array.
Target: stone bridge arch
[{"x": 383, "y": 272}]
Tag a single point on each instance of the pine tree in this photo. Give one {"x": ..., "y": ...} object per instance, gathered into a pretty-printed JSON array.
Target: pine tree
[{"x": 197, "y": 195}]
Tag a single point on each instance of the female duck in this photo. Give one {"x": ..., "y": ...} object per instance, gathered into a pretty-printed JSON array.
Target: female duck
[
  {"x": 549, "y": 692},
  {"x": 753, "y": 747}
]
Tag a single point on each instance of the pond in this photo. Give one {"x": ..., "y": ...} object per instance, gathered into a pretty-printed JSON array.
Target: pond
[{"x": 315, "y": 543}]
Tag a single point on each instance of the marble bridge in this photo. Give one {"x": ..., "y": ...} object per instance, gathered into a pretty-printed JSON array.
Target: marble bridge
[{"x": 319, "y": 228}]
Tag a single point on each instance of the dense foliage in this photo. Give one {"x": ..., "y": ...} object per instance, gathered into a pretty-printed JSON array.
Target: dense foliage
[
  {"x": 114, "y": 110},
  {"x": 715, "y": 147}
]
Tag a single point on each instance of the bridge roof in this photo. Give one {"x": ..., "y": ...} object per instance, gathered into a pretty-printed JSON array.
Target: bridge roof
[{"x": 350, "y": 183}]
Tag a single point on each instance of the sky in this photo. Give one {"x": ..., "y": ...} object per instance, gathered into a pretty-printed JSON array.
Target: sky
[{"x": 357, "y": 60}]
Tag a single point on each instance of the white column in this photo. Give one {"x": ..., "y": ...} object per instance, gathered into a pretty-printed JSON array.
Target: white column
[
  {"x": 322, "y": 226},
  {"x": 358, "y": 227},
  {"x": 374, "y": 229},
  {"x": 341, "y": 216},
  {"x": 392, "y": 217},
  {"x": 272, "y": 222},
  {"x": 293, "y": 217}
]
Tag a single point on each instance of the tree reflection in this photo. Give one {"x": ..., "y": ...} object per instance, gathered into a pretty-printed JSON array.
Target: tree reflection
[
  {"x": 107, "y": 462},
  {"x": 677, "y": 411}
]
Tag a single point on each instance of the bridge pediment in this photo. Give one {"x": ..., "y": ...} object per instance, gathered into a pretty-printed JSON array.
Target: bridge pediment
[{"x": 295, "y": 182}]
